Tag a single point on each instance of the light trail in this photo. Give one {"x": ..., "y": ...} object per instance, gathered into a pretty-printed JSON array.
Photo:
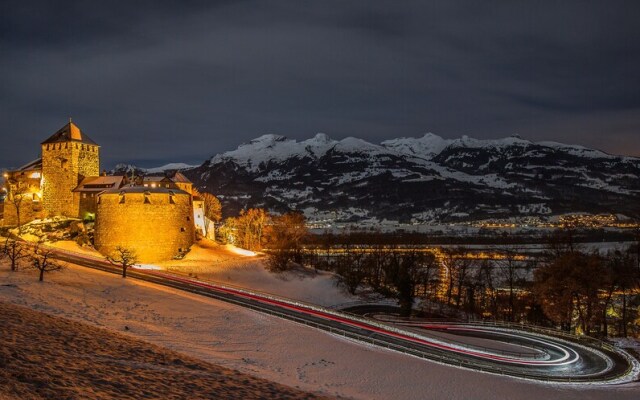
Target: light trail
[
  {"x": 597, "y": 367},
  {"x": 371, "y": 328}
]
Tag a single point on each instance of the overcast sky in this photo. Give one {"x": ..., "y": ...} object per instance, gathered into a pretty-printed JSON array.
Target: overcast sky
[{"x": 159, "y": 81}]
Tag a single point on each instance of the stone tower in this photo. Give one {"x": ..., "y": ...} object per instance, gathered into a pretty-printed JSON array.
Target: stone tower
[{"x": 68, "y": 156}]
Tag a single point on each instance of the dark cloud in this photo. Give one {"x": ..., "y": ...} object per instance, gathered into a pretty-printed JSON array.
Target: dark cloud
[{"x": 179, "y": 81}]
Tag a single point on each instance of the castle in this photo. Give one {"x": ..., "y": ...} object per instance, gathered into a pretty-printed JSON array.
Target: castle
[{"x": 157, "y": 217}]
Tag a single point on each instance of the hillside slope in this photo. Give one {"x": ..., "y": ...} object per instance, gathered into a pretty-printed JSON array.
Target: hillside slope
[{"x": 48, "y": 357}]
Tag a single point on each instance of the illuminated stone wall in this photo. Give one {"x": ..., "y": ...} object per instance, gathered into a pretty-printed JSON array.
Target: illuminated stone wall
[
  {"x": 185, "y": 186},
  {"x": 156, "y": 225},
  {"x": 64, "y": 165}
]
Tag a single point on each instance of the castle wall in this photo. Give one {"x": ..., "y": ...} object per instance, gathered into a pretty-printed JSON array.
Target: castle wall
[
  {"x": 88, "y": 161},
  {"x": 156, "y": 229},
  {"x": 87, "y": 204},
  {"x": 185, "y": 186},
  {"x": 64, "y": 165}
]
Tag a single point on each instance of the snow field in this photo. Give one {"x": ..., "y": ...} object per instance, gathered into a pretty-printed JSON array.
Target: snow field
[{"x": 265, "y": 346}]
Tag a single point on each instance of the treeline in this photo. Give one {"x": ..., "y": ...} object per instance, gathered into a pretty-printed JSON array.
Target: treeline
[
  {"x": 564, "y": 286},
  {"x": 447, "y": 280},
  {"x": 484, "y": 236},
  {"x": 36, "y": 256},
  {"x": 589, "y": 292},
  {"x": 280, "y": 236},
  {"x": 401, "y": 273}
]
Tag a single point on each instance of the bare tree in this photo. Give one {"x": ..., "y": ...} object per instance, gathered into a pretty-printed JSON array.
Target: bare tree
[
  {"x": 637, "y": 248},
  {"x": 42, "y": 260},
  {"x": 14, "y": 251},
  {"x": 15, "y": 198},
  {"x": 457, "y": 268},
  {"x": 350, "y": 266},
  {"x": 486, "y": 288},
  {"x": 247, "y": 229},
  {"x": 284, "y": 239},
  {"x": 404, "y": 272},
  {"x": 511, "y": 273},
  {"x": 570, "y": 287},
  {"x": 123, "y": 257},
  {"x": 625, "y": 280}
]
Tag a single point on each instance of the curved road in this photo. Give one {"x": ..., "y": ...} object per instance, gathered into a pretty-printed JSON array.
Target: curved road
[{"x": 539, "y": 357}]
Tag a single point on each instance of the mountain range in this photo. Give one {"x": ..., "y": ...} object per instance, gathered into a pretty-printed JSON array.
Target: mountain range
[{"x": 419, "y": 180}]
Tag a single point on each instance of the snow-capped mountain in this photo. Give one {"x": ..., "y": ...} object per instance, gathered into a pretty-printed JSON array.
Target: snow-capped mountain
[
  {"x": 420, "y": 179},
  {"x": 127, "y": 169}
]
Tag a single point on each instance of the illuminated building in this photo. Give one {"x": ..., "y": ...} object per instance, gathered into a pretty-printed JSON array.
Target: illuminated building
[{"x": 154, "y": 216}]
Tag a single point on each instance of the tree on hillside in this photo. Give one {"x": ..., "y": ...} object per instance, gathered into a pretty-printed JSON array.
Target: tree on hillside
[
  {"x": 486, "y": 289},
  {"x": 509, "y": 268},
  {"x": 404, "y": 272},
  {"x": 625, "y": 280},
  {"x": 569, "y": 288},
  {"x": 284, "y": 239},
  {"x": 378, "y": 257},
  {"x": 551, "y": 288},
  {"x": 15, "y": 198},
  {"x": 351, "y": 266},
  {"x": 457, "y": 267},
  {"x": 42, "y": 260},
  {"x": 123, "y": 257},
  {"x": 15, "y": 251},
  {"x": 246, "y": 230},
  {"x": 635, "y": 249}
]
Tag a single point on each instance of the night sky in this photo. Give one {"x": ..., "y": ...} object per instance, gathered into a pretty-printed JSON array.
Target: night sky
[{"x": 156, "y": 82}]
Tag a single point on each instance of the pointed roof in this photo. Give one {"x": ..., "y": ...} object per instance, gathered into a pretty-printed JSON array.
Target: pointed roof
[{"x": 69, "y": 133}]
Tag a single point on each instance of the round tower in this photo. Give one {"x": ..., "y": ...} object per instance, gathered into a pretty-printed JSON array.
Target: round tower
[{"x": 156, "y": 223}]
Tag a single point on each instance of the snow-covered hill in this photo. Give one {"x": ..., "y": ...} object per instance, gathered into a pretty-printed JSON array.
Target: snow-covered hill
[{"x": 423, "y": 179}]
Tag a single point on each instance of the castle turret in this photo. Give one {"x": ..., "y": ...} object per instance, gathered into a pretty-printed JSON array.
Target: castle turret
[
  {"x": 68, "y": 156},
  {"x": 156, "y": 223}
]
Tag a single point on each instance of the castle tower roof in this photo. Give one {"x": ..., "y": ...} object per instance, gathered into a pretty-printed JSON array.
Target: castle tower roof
[{"x": 70, "y": 133}]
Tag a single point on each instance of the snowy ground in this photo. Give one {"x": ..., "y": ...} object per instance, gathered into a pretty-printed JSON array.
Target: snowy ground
[
  {"x": 264, "y": 346},
  {"x": 229, "y": 265},
  {"x": 212, "y": 262},
  {"x": 48, "y": 357}
]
